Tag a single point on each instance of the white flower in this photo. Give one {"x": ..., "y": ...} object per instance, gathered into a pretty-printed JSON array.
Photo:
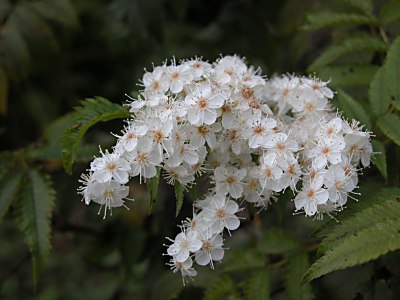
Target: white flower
[
  {"x": 279, "y": 144},
  {"x": 131, "y": 134},
  {"x": 257, "y": 129},
  {"x": 228, "y": 181},
  {"x": 178, "y": 76},
  {"x": 202, "y": 105},
  {"x": 184, "y": 243},
  {"x": 338, "y": 184},
  {"x": 220, "y": 213},
  {"x": 144, "y": 159},
  {"x": 110, "y": 194},
  {"x": 184, "y": 267},
  {"x": 110, "y": 165},
  {"x": 156, "y": 81},
  {"x": 211, "y": 250},
  {"x": 269, "y": 177},
  {"x": 310, "y": 196},
  {"x": 327, "y": 150}
]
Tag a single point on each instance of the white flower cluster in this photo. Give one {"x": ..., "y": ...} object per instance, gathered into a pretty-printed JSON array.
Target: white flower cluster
[{"x": 253, "y": 137}]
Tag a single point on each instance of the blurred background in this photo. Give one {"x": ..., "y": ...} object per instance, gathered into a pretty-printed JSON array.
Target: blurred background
[{"x": 54, "y": 53}]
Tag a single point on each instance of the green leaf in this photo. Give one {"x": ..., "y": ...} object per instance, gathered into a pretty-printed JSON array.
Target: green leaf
[
  {"x": 392, "y": 70},
  {"x": 276, "y": 241},
  {"x": 8, "y": 190},
  {"x": 348, "y": 74},
  {"x": 257, "y": 286},
  {"x": 243, "y": 260},
  {"x": 365, "y": 245},
  {"x": 352, "y": 109},
  {"x": 296, "y": 266},
  {"x": 390, "y": 124},
  {"x": 379, "y": 96},
  {"x": 85, "y": 116},
  {"x": 220, "y": 288},
  {"x": 379, "y": 158},
  {"x": 33, "y": 215},
  {"x": 178, "y": 188},
  {"x": 152, "y": 188},
  {"x": 390, "y": 12},
  {"x": 333, "y": 19},
  {"x": 362, "y": 236},
  {"x": 365, "y": 6},
  {"x": 347, "y": 46}
]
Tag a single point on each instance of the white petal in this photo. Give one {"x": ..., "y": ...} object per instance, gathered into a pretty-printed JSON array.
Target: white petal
[{"x": 232, "y": 223}]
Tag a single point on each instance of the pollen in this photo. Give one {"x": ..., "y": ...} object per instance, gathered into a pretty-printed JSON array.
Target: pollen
[
  {"x": 230, "y": 180},
  {"x": 158, "y": 136},
  {"x": 207, "y": 246},
  {"x": 310, "y": 194},
  {"x": 202, "y": 103},
  {"x": 309, "y": 107},
  {"x": 220, "y": 213},
  {"x": 247, "y": 93},
  {"x": 111, "y": 166},
  {"x": 258, "y": 129},
  {"x": 203, "y": 130}
]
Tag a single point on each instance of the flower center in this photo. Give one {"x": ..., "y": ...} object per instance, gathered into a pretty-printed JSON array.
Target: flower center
[
  {"x": 325, "y": 150},
  {"x": 230, "y": 180},
  {"x": 142, "y": 158},
  {"x": 207, "y": 246},
  {"x": 254, "y": 104},
  {"x": 175, "y": 75},
  {"x": 280, "y": 146},
  {"x": 338, "y": 185},
  {"x": 158, "y": 136},
  {"x": 258, "y": 129},
  {"x": 220, "y": 213},
  {"x": 156, "y": 84},
  {"x": 111, "y": 166},
  {"x": 309, "y": 107},
  {"x": 202, "y": 103},
  {"x": 310, "y": 194},
  {"x": 203, "y": 130},
  {"x": 247, "y": 93},
  {"x": 130, "y": 136}
]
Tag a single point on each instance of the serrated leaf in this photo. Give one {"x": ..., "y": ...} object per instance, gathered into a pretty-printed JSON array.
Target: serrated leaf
[
  {"x": 276, "y": 241},
  {"x": 257, "y": 286},
  {"x": 352, "y": 109},
  {"x": 220, "y": 288},
  {"x": 8, "y": 190},
  {"x": 362, "y": 236},
  {"x": 390, "y": 124},
  {"x": 152, "y": 189},
  {"x": 390, "y": 12},
  {"x": 85, "y": 116},
  {"x": 379, "y": 95},
  {"x": 365, "y": 245},
  {"x": 379, "y": 158},
  {"x": 348, "y": 74},
  {"x": 296, "y": 266},
  {"x": 392, "y": 70},
  {"x": 33, "y": 215},
  {"x": 333, "y": 19},
  {"x": 383, "y": 205},
  {"x": 178, "y": 188},
  {"x": 347, "y": 46}
]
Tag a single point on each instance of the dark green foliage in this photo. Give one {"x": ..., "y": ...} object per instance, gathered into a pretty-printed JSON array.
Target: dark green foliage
[
  {"x": 85, "y": 116},
  {"x": 55, "y": 52}
]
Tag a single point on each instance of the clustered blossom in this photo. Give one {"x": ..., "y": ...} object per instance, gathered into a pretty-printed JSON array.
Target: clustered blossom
[{"x": 253, "y": 137}]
